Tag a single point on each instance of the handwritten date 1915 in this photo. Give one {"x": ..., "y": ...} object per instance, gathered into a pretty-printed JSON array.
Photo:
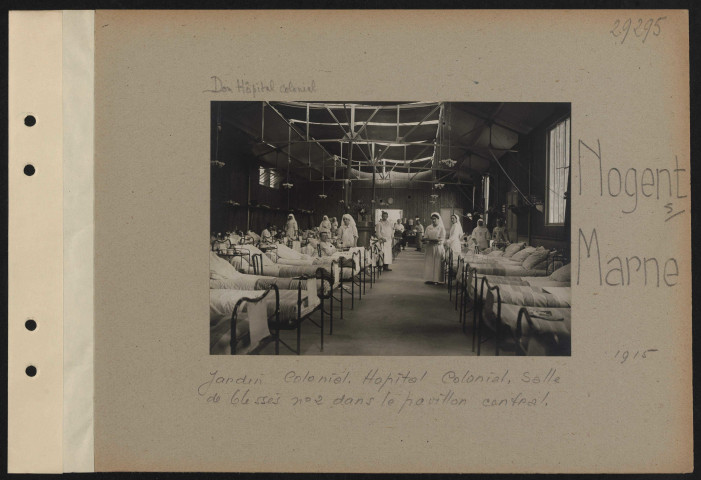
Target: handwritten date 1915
[
  {"x": 641, "y": 28},
  {"x": 624, "y": 355}
]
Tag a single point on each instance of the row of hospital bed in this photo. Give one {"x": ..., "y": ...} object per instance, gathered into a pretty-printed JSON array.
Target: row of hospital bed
[
  {"x": 518, "y": 297},
  {"x": 258, "y": 291}
]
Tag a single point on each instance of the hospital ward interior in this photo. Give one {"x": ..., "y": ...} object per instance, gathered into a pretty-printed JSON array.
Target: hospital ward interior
[{"x": 390, "y": 228}]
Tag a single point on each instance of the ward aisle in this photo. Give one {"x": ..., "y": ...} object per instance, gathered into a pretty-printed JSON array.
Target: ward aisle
[{"x": 400, "y": 315}]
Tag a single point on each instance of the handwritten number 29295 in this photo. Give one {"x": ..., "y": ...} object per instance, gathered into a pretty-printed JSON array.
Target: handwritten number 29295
[{"x": 640, "y": 28}]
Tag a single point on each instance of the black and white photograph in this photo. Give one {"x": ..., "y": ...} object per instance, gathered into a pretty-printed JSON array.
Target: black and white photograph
[
  {"x": 390, "y": 228},
  {"x": 397, "y": 204}
]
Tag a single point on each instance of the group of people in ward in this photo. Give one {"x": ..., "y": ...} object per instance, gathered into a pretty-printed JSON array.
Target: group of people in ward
[
  {"x": 433, "y": 236},
  {"x": 440, "y": 243},
  {"x": 330, "y": 236}
]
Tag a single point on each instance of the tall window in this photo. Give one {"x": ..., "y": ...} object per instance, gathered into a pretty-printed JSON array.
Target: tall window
[
  {"x": 558, "y": 171},
  {"x": 269, "y": 177}
]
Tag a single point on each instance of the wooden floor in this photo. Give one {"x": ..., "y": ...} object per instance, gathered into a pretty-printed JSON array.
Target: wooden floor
[{"x": 400, "y": 315}]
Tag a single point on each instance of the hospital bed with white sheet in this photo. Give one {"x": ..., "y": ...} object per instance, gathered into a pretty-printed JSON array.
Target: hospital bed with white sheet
[
  {"x": 550, "y": 291},
  {"x": 542, "y": 332},
  {"x": 341, "y": 273},
  {"x": 499, "y": 308},
  {"x": 353, "y": 263},
  {"x": 231, "y": 311}
]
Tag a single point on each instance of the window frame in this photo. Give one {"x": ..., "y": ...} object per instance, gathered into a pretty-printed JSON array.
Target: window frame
[
  {"x": 266, "y": 175},
  {"x": 548, "y": 131}
]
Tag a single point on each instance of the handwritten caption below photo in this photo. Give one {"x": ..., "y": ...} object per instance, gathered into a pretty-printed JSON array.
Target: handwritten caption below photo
[{"x": 399, "y": 391}]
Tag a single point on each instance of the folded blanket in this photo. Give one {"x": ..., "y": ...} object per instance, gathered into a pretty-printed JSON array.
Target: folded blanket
[
  {"x": 532, "y": 281},
  {"x": 508, "y": 270},
  {"x": 222, "y": 302},
  {"x": 561, "y": 328},
  {"x": 525, "y": 296}
]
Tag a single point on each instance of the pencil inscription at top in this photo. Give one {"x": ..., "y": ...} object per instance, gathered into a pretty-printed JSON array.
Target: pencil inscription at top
[
  {"x": 219, "y": 86},
  {"x": 640, "y": 27}
]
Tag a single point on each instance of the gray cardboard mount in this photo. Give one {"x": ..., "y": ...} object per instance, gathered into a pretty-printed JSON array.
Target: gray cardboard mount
[{"x": 630, "y": 110}]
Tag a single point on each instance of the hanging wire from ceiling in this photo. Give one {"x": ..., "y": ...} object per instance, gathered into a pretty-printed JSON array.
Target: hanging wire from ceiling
[
  {"x": 528, "y": 202},
  {"x": 449, "y": 162},
  {"x": 216, "y": 162},
  {"x": 287, "y": 184},
  {"x": 323, "y": 178}
]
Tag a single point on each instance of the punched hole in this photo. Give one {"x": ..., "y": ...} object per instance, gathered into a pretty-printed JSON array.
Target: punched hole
[
  {"x": 30, "y": 121},
  {"x": 31, "y": 325},
  {"x": 31, "y": 371},
  {"x": 29, "y": 170}
]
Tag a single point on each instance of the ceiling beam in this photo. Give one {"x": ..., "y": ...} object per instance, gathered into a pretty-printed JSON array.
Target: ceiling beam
[
  {"x": 491, "y": 118},
  {"x": 293, "y": 128},
  {"x": 348, "y": 134},
  {"x": 280, "y": 149},
  {"x": 382, "y": 154}
]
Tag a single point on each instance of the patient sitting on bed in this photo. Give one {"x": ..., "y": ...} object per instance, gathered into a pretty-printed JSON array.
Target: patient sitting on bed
[
  {"x": 266, "y": 236},
  {"x": 311, "y": 244},
  {"x": 326, "y": 247}
]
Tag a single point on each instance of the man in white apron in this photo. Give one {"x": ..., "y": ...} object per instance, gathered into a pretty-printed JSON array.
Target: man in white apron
[{"x": 385, "y": 231}]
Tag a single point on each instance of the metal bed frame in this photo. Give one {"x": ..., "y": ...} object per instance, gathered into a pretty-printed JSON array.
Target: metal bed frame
[
  {"x": 234, "y": 317},
  {"x": 270, "y": 250},
  {"x": 256, "y": 260},
  {"x": 483, "y": 304},
  {"x": 558, "y": 347},
  {"x": 461, "y": 260},
  {"x": 276, "y": 325},
  {"x": 518, "y": 346},
  {"x": 324, "y": 274},
  {"x": 469, "y": 281},
  {"x": 376, "y": 269},
  {"x": 555, "y": 257},
  {"x": 360, "y": 276},
  {"x": 449, "y": 273}
]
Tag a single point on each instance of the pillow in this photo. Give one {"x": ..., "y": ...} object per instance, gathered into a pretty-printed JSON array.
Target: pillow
[
  {"x": 513, "y": 248},
  {"x": 562, "y": 274},
  {"x": 496, "y": 253},
  {"x": 283, "y": 251},
  {"x": 537, "y": 260},
  {"x": 523, "y": 254},
  {"x": 220, "y": 269}
]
